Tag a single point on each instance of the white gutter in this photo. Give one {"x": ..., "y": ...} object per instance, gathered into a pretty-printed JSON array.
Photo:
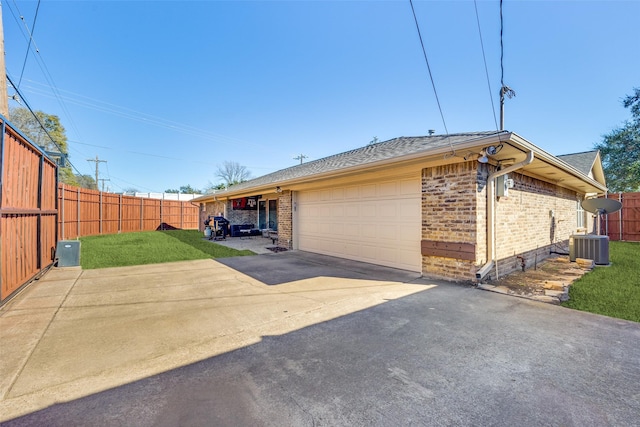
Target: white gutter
[{"x": 491, "y": 234}]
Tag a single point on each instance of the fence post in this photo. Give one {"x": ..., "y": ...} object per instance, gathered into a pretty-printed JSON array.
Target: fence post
[
  {"x": 120, "y": 215},
  {"x": 100, "y": 212},
  {"x": 62, "y": 217},
  {"x": 141, "y": 214},
  {"x": 78, "y": 221},
  {"x": 620, "y": 218}
]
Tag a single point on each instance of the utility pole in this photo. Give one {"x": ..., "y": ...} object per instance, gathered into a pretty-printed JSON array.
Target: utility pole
[
  {"x": 4, "y": 100},
  {"x": 504, "y": 90},
  {"x": 98, "y": 161},
  {"x": 103, "y": 180},
  {"x": 301, "y": 157}
]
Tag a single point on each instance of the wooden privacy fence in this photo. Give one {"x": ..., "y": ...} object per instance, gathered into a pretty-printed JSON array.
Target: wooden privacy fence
[
  {"x": 28, "y": 210},
  {"x": 624, "y": 224},
  {"x": 84, "y": 212}
]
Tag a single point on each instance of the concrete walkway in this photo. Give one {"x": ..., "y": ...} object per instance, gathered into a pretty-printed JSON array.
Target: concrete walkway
[
  {"x": 305, "y": 340},
  {"x": 256, "y": 244},
  {"x": 74, "y": 333}
]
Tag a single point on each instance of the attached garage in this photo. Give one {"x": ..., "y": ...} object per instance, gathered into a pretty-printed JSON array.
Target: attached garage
[
  {"x": 378, "y": 222},
  {"x": 429, "y": 204}
]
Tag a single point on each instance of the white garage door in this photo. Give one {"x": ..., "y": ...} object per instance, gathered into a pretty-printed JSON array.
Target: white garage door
[{"x": 378, "y": 223}]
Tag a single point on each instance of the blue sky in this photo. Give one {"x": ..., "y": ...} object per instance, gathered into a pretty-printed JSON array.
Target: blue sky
[{"x": 165, "y": 91}]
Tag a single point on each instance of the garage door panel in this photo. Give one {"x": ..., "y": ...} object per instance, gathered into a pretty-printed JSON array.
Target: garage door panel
[
  {"x": 337, "y": 211},
  {"x": 378, "y": 223},
  {"x": 387, "y": 211},
  {"x": 387, "y": 233},
  {"x": 368, "y": 210},
  {"x": 405, "y": 209},
  {"x": 368, "y": 191},
  {"x": 410, "y": 187},
  {"x": 387, "y": 189},
  {"x": 351, "y": 231}
]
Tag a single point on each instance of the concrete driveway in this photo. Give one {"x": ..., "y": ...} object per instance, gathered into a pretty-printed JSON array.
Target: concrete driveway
[{"x": 300, "y": 339}]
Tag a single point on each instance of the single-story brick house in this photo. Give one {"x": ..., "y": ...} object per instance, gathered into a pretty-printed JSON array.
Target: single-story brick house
[{"x": 460, "y": 206}]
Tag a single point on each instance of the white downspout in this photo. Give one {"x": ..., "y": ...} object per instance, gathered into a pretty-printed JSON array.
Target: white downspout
[{"x": 491, "y": 234}]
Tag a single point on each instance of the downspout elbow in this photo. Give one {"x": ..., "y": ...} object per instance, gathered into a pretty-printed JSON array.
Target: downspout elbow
[
  {"x": 483, "y": 271},
  {"x": 513, "y": 167}
]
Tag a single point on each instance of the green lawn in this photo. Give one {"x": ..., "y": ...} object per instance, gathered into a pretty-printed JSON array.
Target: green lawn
[
  {"x": 613, "y": 291},
  {"x": 149, "y": 247}
]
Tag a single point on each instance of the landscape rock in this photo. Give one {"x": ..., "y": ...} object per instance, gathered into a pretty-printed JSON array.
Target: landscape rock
[
  {"x": 587, "y": 264},
  {"x": 553, "y": 284}
]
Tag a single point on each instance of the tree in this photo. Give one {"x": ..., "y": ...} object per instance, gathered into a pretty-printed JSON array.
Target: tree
[
  {"x": 232, "y": 173},
  {"x": 185, "y": 189},
  {"x": 211, "y": 188},
  {"x": 30, "y": 126},
  {"x": 620, "y": 150},
  {"x": 52, "y": 139},
  {"x": 85, "y": 181}
]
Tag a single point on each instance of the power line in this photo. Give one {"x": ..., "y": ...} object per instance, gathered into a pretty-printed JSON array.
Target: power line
[
  {"x": 31, "y": 44},
  {"x": 40, "y": 122},
  {"x": 30, "y": 32},
  {"x": 141, "y": 117},
  {"x": 504, "y": 90},
  {"x": 433, "y": 85},
  {"x": 486, "y": 69}
]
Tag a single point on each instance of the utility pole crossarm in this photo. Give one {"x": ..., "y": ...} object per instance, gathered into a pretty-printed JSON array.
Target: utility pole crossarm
[
  {"x": 97, "y": 161},
  {"x": 301, "y": 157}
]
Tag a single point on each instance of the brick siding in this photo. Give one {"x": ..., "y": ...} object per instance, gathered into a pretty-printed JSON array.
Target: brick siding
[
  {"x": 285, "y": 219},
  {"x": 535, "y": 219},
  {"x": 449, "y": 214}
]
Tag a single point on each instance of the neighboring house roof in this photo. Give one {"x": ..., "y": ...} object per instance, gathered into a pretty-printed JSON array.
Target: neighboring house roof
[
  {"x": 581, "y": 161},
  {"x": 448, "y": 148},
  {"x": 588, "y": 162}
]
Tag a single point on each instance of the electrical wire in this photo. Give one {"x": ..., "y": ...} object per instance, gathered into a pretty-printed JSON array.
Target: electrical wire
[
  {"x": 40, "y": 122},
  {"x": 30, "y": 32},
  {"x": 504, "y": 90},
  {"x": 31, "y": 45},
  {"x": 501, "y": 49},
  {"x": 134, "y": 115},
  {"x": 433, "y": 85},
  {"x": 486, "y": 69}
]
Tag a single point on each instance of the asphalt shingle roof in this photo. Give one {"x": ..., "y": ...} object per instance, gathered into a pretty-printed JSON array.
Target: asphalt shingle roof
[
  {"x": 581, "y": 161},
  {"x": 385, "y": 150}
]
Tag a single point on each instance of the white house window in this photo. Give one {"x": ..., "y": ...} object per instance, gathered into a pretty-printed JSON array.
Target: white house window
[{"x": 580, "y": 222}]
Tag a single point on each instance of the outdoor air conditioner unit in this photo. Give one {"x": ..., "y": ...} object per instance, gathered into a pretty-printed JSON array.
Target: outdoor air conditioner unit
[{"x": 589, "y": 246}]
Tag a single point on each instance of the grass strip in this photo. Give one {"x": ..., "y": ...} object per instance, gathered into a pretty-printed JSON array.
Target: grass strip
[
  {"x": 613, "y": 291},
  {"x": 149, "y": 247}
]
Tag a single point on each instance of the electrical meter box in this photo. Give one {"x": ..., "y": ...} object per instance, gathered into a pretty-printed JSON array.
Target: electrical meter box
[
  {"x": 68, "y": 253},
  {"x": 503, "y": 184}
]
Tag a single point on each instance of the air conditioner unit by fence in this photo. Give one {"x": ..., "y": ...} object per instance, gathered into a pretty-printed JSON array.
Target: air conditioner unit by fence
[{"x": 589, "y": 246}]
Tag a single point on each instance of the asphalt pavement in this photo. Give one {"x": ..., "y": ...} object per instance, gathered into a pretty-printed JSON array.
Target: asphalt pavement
[{"x": 295, "y": 339}]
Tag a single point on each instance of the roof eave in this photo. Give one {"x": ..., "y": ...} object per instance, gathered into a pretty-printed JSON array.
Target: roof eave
[
  {"x": 556, "y": 162},
  {"x": 475, "y": 143}
]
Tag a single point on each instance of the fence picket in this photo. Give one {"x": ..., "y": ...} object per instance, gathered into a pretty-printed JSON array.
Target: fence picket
[{"x": 98, "y": 212}]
